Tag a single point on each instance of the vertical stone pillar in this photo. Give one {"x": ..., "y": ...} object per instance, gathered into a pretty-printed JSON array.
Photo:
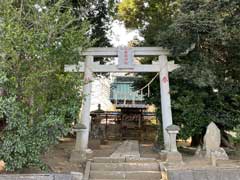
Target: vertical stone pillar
[
  {"x": 79, "y": 153},
  {"x": 87, "y": 88},
  {"x": 165, "y": 99}
]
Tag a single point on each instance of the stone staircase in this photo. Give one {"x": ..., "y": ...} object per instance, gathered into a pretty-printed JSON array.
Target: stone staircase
[
  {"x": 123, "y": 168},
  {"x": 124, "y": 163}
]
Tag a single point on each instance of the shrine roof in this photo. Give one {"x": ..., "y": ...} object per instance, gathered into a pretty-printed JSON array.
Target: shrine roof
[
  {"x": 122, "y": 89},
  {"x": 133, "y": 106}
]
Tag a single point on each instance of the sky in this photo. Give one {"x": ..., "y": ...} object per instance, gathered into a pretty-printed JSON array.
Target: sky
[{"x": 120, "y": 36}]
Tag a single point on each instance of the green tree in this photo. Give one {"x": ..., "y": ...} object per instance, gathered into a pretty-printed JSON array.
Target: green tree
[
  {"x": 40, "y": 101},
  {"x": 99, "y": 15},
  {"x": 206, "y": 87}
]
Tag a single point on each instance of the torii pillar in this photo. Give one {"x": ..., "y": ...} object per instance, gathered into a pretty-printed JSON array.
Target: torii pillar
[
  {"x": 165, "y": 99},
  {"x": 79, "y": 154}
]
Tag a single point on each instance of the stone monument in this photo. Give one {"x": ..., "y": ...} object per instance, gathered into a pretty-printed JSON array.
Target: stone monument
[{"x": 212, "y": 142}]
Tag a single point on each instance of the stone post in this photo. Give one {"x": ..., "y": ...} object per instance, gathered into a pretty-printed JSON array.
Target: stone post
[
  {"x": 173, "y": 156},
  {"x": 173, "y": 131},
  {"x": 165, "y": 98},
  {"x": 79, "y": 153}
]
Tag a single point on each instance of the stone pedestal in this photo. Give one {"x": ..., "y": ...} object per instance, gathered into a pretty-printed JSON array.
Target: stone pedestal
[
  {"x": 174, "y": 157},
  {"x": 170, "y": 157},
  {"x": 163, "y": 155}
]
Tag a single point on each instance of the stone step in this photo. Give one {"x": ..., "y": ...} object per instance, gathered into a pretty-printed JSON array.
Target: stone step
[
  {"x": 108, "y": 160},
  {"x": 122, "y": 160},
  {"x": 152, "y": 166},
  {"x": 140, "y": 175},
  {"x": 128, "y": 148},
  {"x": 140, "y": 160}
]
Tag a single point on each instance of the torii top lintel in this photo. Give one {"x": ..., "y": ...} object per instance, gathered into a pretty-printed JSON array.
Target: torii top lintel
[
  {"x": 113, "y": 52},
  {"x": 125, "y": 60}
]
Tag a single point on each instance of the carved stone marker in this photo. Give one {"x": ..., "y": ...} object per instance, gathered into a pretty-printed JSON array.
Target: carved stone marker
[
  {"x": 125, "y": 58},
  {"x": 212, "y": 138},
  {"x": 212, "y": 142}
]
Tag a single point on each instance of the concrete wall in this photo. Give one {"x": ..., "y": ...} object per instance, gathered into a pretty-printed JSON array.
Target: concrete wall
[
  {"x": 77, "y": 176},
  {"x": 204, "y": 174}
]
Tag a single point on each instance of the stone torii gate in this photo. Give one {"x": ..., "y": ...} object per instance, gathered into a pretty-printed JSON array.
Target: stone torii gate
[{"x": 125, "y": 64}]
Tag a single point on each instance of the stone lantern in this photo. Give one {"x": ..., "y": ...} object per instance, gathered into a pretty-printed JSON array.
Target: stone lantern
[
  {"x": 172, "y": 131},
  {"x": 172, "y": 155},
  {"x": 97, "y": 133}
]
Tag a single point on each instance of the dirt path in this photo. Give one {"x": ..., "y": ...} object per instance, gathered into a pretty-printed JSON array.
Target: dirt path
[{"x": 57, "y": 158}]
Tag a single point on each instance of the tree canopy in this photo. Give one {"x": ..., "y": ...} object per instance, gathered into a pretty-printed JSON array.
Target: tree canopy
[
  {"x": 206, "y": 87},
  {"x": 39, "y": 102}
]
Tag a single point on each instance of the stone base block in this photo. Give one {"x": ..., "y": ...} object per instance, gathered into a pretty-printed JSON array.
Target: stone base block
[
  {"x": 163, "y": 155},
  {"x": 171, "y": 157},
  {"x": 78, "y": 156},
  {"x": 174, "y": 157},
  {"x": 219, "y": 154}
]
